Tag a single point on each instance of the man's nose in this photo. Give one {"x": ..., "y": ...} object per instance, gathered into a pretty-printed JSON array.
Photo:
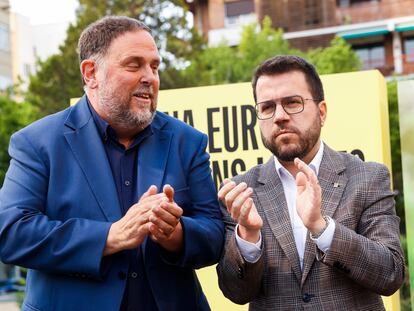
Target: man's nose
[
  {"x": 148, "y": 75},
  {"x": 280, "y": 114}
]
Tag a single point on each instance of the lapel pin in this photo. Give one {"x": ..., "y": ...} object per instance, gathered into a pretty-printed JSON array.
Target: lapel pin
[{"x": 336, "y": 185}]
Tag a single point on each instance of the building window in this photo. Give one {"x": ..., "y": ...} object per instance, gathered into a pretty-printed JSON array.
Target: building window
[
  {"x": 4, "y": 38},
  {"x": 347, "y": 3},
  {"x": 361, "y": 1},
  {"x": 239, "y": 12},
  {"x": 372, "y": 56},
  {"x": 313, "y": 12},
  {"x": 409, "y": 49}
]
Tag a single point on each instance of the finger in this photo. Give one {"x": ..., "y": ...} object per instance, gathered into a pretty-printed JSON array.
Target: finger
[
  {"x": 160, "y": 232},
  {"x": 172, "y": 208},
  {"x": 150, "y": 202},
  {"x": 239, "y": 201},
  {"x": 163, "y": 227},
  {"x": 150, "y": 230},
  {"x": 226, "y": 188},
  {"x": 243, "y": 196},
  {"x": 245, "y": 210},
  {"x": 301, "y": 179},
  {"x": 302, "y": 166},
  {"x": 165, "y": 215},
  {"x": 144, "y": 229},
  {"x": 138, "y": 218},
  {"x": 310, "y": 173},
  {"x": 141, "y": 217},
  {"x": 169, "y": 192},
  {"x": 233, "y": 194},
  {"x": 134, "y": 225},
  {"x": 154, "y": 233},
  {"x": 151, "y": 191}
]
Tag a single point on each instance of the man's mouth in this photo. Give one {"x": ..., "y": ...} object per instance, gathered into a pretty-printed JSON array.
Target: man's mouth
[
  {"x": 281, "y": 132},
  {"x": 143, "y": 95}
]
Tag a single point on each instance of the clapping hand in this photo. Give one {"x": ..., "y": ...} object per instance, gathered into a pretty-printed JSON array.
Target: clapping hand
[{"x": 240, "y": 205}]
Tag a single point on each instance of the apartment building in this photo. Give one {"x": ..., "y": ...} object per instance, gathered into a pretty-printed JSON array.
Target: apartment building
[
  {"x": 380, "y": 31},
  {"x": 5, "y": 49},
  {"x": 30, "y": 43}
]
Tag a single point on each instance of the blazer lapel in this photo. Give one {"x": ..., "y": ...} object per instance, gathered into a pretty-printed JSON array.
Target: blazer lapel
[
  {"x": 85, "y": 143},
  {"x": 333, "y": 182},
  {"x": 152, "y": 157},
  {"x": 152, "y": 160},
  {"x": 273, "y": 202}
]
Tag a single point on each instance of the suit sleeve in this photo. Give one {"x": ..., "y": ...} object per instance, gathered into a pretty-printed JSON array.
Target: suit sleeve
[
  {"x": 203, "y": 227},
  {"x": 371, "y": 254},
  {"x": 239, "y": 280},
  {"x": 28, "y": 237}
]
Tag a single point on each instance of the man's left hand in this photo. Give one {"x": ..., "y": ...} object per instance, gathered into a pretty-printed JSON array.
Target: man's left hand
[{"x": 165, "y": 226}]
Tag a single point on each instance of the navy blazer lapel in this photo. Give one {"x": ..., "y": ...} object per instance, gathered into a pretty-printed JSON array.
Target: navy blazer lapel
[
  {"x": 333, "y": 182},
  {"x": 152, "y": 157},
  {"x": 152, "y": 160},
  {"x": 272, "y": 199},
  {"x": 86, "y": 145}
]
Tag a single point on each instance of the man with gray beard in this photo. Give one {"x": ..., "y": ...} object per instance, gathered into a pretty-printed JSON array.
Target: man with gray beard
[
  {"x": 109, "y": 203},
  {"x": 312, "y": 229}
]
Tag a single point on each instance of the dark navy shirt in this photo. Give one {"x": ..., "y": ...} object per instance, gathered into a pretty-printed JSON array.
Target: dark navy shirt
[{"x": 138, "y": 295}]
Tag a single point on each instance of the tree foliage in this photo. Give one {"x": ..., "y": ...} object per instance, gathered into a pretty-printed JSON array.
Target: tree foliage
[
  {"x": 59, "y": 79},
  {"x": 13, "y": 116},
  {"x": 394, "y": 125},
  {"x": 255, "y": 47},
  {"x": 338, "y": 57},
  {"x": 187, "y": 60},
  {"x": 224, "y": 64}
]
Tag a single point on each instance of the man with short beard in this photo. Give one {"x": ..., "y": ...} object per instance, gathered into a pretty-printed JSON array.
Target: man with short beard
[
  {"x": 109, "y": 203},
  {"x": 312, "y": 229}
]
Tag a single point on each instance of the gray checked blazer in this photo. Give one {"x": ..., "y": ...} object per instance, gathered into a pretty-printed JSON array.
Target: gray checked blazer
[{"x": 365, "y": 259}]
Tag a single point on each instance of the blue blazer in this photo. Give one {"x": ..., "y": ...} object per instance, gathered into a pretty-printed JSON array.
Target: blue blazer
[{"x": 59, "y": 200}]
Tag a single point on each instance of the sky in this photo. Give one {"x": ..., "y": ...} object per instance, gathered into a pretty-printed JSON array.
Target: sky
[{"x": 45, "y": 11}]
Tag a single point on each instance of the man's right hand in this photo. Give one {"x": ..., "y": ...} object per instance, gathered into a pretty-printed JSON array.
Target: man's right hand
[
  {"x": 239, "y": 204},
  {"x": 131, "y": 230}
]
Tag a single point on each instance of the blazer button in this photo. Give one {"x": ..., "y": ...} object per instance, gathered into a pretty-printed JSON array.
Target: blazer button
[
  {"x": 240, "y": 273},
  {"x": 122, "y": 275},
  {"x": 307, "y": 297}
]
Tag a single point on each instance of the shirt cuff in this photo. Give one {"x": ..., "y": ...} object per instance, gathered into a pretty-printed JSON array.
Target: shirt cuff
[
  {"x": 324, "y": 241},
  {"x": 251, "y": 252}
]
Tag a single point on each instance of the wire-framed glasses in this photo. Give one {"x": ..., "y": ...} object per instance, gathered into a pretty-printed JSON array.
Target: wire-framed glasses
[{"x": 290, "y": 104}]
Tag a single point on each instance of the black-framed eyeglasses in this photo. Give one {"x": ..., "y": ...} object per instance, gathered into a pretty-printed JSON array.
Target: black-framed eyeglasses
[{"x": 291, "y": 105}]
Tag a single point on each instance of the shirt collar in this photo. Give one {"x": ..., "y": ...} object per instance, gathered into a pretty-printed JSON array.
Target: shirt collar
[{"x": 314, "y": 164}]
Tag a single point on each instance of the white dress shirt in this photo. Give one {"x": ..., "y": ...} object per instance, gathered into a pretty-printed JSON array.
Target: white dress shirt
[{"x": 252, "y": 251}]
